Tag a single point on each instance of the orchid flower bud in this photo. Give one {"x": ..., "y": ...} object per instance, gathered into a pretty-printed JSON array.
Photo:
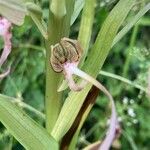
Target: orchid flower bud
[
  {"x": 67, "y": 51},
  {"x": 65, "y": 57}
]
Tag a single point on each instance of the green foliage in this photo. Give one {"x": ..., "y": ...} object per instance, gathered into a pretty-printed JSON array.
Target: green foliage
[
  {"x": 26, "y": 81},
  {"x": 14, "y": 10},
  {"x": 24, "y": 129},
  {"x": 36, "y": 14}
]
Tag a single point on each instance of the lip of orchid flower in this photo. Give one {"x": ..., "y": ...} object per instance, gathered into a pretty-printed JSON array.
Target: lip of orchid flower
[
  {"x": 105, "y": 145},
  {"x": 5, "y": 33},
  {"x": 68, "y": 70},
  {"x": 65, "y": 57}
]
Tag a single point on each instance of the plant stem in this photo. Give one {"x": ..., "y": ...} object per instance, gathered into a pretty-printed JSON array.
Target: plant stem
[
  {"x": 114, "y": 76},
  {"x": 58, "y": 27},
  {"x": 30, "y": 46},
  {"x": 58, "y": 8},
  {"x": 20, "y": 103},
  {"x": 128, "y": 59}
]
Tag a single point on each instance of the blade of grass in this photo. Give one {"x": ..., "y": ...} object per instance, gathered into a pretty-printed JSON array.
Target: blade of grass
[
  {"x": 92, "y": 66},
  {"x": 144, "y": 21},
  {"x": 36, "y": 14},
  {"x": 77, "y": 9},
  {"x": 86, "y": 27},
  {"x": 129, "y": 49},
  {"x": 120, "y": 78},
  {"x": 23, "y": 128},
  {"x": 93, "y": 146},
  {"x": 13, "y": 10},
  {"x": 130, "y": 140},
  {"x": 131, "y": 23},
  {"x": 23, "y": 105}
]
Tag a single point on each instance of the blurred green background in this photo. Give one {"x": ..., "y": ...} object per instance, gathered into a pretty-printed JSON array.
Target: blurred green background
[{"x": 130, "y": 58}]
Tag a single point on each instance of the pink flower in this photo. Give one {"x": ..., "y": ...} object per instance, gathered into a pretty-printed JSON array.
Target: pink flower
[{"x": 5, "y": 33}]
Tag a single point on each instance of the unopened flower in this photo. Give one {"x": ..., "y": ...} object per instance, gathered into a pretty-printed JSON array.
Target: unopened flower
[
  {"x": 5, "y": 33},
  {"x": 65, "y": 57}
]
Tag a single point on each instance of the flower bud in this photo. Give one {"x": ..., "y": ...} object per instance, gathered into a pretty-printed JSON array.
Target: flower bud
[{"x": 66, "y": 51}]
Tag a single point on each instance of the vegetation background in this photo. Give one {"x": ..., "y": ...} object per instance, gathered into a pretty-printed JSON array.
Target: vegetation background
[{"x": 130, "y": 58}]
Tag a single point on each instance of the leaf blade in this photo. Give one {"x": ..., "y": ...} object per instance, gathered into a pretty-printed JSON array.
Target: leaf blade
[
  {"x": 13, "y": 10},
  {"x": 77, "y": 9},
  {"x": 35, "y": 12},
  {"x": 133, "y": 21},
  {"x": 23, "y": 128}
]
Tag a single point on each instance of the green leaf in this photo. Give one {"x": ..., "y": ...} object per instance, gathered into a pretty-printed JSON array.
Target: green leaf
[
  {"x": 92, "y": 66},
  {"x": 23, "y": 128},
  {"x": 131, "y": 23},
  {"x": 13, "y": 10},
  {"x": 93, "y": 146},
  {"x": 144, "y": 21},
  {"x": 86, "y": 27},
  {"x": 77, "y": 9},
  {"x": 36, "y": 14}
]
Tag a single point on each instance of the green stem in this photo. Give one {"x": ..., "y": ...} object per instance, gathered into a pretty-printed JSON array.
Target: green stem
[
  {"x": 30, "y": 46},
  {"x": 52, "y": 98},
  {"x": 20, "y": 103},
  {"x": 58, "y": 27},
  {"x": 114, "y": 76},
  {"x": 132, "y": 43},
  {"x": 58, "y": 8}
]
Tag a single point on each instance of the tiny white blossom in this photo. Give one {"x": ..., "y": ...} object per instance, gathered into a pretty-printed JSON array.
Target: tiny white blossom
[
  {"x": 131, "y": 112},
  {"x": 125, "y": 100}
]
